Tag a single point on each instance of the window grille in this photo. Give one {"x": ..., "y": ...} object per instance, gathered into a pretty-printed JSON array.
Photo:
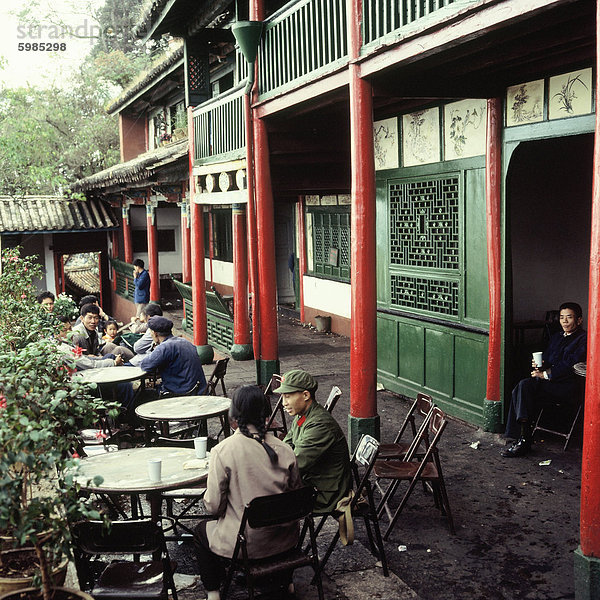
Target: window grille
[{"x": 331, "y": 243}]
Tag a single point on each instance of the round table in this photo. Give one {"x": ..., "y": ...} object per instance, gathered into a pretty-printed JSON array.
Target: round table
[
  {"x": 110, "y": 375},
  {"x": 126, "y": 472},
  {"x": 186, "y": 409}
]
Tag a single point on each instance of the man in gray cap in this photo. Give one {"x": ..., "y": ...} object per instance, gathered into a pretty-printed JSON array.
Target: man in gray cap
[
  {"x": 318, "y": 442},
  {"x": 176, "y": 360}
]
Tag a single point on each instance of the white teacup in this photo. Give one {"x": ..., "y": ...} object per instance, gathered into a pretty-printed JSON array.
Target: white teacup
[
  {"x": 537, "y": 358},
  {"x": 200, "y": 446},
  {"x": 154, "y": 468}
]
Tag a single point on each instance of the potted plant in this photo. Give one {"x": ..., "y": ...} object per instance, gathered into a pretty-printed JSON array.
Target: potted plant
[
  {"x": 41, "y": 411},
  {"x": 180, "y": 124}
]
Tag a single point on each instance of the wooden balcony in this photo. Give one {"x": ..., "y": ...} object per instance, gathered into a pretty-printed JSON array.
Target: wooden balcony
[
  {"x": 302, "y": 41},
  {"x": 219, "y": 132}
]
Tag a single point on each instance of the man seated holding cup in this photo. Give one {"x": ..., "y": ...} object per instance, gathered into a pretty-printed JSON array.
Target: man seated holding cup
[{"x": 552, "y": 378}]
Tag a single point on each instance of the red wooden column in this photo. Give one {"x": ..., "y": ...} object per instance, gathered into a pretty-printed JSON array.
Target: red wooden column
[
  {"x": 186, "y": 250},
  {"x": 242, "y": 348},
  {"x": 205, "y": 351},
  {"x": 268, "y": 361},
  {"x": 301, "y": 253},
  {"x": 363, "y": 416},
  {"x": 587, "y": 556},
  {"x": 127, "y": 245},
  {"x": 492, "y": 409},
  {"x": 152, "y": 252}
]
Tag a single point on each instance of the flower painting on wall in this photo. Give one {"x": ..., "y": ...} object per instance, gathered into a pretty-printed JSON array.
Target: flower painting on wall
[
  {"x": 464, "y": 129},
  {"x": 421, "y": 137},
  {"x": 385, "y": 139},
  {"x": 525, "y": 103},
  {"x": 570, "y": 94}
]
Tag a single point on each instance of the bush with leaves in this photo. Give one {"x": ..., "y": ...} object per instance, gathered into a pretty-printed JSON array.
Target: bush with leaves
[
  {"x": 65, "y": 306},
  {"x": 42, "y": 408}
]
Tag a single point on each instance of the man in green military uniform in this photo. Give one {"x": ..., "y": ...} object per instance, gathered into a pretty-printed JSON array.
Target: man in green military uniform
[{"x": 318, "y": 442}]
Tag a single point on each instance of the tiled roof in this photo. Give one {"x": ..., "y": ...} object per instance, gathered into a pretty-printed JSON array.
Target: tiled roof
[
  {"x": 54, "y": 214},
  {"x": 137, "y": 169},
  {"x": 83, "y": 278}
]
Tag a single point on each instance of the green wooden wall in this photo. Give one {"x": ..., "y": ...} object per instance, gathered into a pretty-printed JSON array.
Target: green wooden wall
[{"x": 432, "y": 286}]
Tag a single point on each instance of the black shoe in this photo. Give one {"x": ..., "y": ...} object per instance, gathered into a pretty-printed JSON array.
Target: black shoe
[{"x": 520, "y": 448}]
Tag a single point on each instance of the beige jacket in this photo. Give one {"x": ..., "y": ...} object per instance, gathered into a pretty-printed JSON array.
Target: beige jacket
[{"x": 240, "y": 470}]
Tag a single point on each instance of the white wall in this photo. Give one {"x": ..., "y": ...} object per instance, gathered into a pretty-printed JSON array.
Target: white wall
[
  {"x": 328, "y": 296},
  {"x": 222, "y": 272}
]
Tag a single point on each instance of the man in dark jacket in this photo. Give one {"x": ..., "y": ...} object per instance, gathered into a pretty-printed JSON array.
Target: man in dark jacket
[
  {"x": 141, "y": 281},
  {"x": 554, "y": 380}
]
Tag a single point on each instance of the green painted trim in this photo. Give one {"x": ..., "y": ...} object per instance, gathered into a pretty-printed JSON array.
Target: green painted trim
[
  {"x": 206, "y": 354},
  {"x": 358, "y": 426},
  {"x": 241, "y": 352},
  {"x": 587, "y": 576},
  {"x": 218, "y": 158},
  {"x": 492, "y": 416},
  {"x": 550, "y": 129},
  {"x": 265, "y": 369}
]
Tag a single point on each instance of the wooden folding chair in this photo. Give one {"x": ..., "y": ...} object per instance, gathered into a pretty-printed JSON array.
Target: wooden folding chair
[
  {"x": 428, "y": 469},
  {"x": 216, "y": 377},
  {"x": 270, "y": 511},
  {"x": 274, "y": 424},
  {"x": 421, "y": 408},
  {"x": 363, "y": 458},
  {"x": 334, "y": 396},
  {"x": 123, "y": 579}
]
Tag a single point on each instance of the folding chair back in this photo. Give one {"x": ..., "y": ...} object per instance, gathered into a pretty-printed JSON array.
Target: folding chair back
[
  {"x": 334, "y": 396},
  {"x": 425, "y": 469},
  {"x": 269, "y": 511},
  {"x": 217, "y": 376},
  {"x": 365, "y": 455},
  {"x": 421, "y": 408},
  {"x": 123, "y": 579},
  {"x": 275, "y": 423}
]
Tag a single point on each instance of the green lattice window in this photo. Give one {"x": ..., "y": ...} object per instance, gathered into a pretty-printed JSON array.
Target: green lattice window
[
  {"x": 425, "y": 265},
  {"x": 331, "y": 242}
]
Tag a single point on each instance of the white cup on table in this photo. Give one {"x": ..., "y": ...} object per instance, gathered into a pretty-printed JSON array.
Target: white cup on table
[
  {"x": 200, "y": 446},
  {"x": 537, "y": 358},
  {"x": 154, "y": 467}
]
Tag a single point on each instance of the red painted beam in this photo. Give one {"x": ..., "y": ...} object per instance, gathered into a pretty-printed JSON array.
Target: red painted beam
[
  {"x": 241, "y": 322},
  {"x": 153, "y": 254},
  {"x": 493, "y": 179},
  {"x": 301, "y": 253},
  {"x": 590, "y": 473},
  {"x": 265, "y": 229}
]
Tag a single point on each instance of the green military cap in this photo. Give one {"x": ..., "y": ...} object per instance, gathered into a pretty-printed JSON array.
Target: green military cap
[{"x": 297, "y": 380}]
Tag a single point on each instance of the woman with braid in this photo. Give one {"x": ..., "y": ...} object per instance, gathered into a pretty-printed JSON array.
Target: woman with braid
[{"x": 245, "y": 465}]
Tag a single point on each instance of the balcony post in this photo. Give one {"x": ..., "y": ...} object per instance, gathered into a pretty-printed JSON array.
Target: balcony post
[
  {"x": 186, "y": 251},
  {"x": 492, "y": 407},
  {"x": 363, "y": 417},
  {"x": 152, "y": 250},
  {"x": 242, "y": 348},
  {"x": 587, "y": 556},
  {"x": 127, "y": 245},
  {"x": 205, "y": 351}
]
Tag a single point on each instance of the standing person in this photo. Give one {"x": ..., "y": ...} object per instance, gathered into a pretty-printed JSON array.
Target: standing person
[
  {"x": 554, "y": 380},
  {"x": 247, "y": 464},
  {"x": 317, "y": 440},
  {"x": 141, "y": 281}
]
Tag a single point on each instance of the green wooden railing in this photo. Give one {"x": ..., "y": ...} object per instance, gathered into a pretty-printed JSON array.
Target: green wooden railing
[
  {"x": 300, "y": 40},
  {"x": 219, "y": 316},
  {"x": 124, "y": 278},
  {"x": 382, "y": 17},
  {"x": 219, "y": 131}
]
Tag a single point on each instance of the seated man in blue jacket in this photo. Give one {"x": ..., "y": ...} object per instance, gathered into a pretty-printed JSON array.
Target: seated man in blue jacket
[
  {"x": 554, "y": 380},
  {"x": 176, "y": 360}
]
